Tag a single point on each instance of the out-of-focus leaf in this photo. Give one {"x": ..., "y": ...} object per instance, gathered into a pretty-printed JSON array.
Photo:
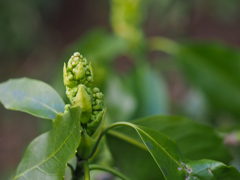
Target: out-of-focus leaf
[
  {"x": 151, "y": 92},
  {"x": 195, "y": 141},
  {"x": 97, "y": 45},
  {"x": 46, "y": 156},
  {"x": 195, "y": 105},
  {"x": 212, "y": 67},
  {"x": 168, "y": 158},
  {"x": 215, "y": 69},
  {"x": 31, "y": 96},
  {"x": 119, "y": 99}
]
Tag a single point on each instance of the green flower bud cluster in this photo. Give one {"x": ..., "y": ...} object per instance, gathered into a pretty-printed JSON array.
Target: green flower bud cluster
[
  {"x": 78, "y": 71},
  {"x": 97, "y": 103},
  {"x": 78, "y": 76}
]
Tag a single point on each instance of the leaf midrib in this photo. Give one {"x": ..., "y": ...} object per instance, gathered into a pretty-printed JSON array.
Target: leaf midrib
[
  {"x": 127, "y": 139},
  {"x": 23, "y": 173},
  {"x": 160, "y": 147},
  {"x": 137, "y": 143},
  {"x": 42, "y": 104}
]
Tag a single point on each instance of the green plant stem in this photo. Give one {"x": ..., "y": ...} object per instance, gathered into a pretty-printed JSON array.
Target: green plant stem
[
  {"x": 109, "y": 128},
  {"x": 86, "y": 170},
  {"x": 114, "y": 125},
  {"x": 108, "y": 169}
]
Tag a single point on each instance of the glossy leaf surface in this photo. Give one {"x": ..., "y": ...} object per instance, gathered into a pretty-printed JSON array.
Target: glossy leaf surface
[
  {"x": 166, "y": 155},
  {"x": 211, "y": 170},
  {"x": 195, "y": 141},
  {"x": 31, "y": 96},
  {"x": 47, "y": 155},
  {"x": 128, "y": 152}
]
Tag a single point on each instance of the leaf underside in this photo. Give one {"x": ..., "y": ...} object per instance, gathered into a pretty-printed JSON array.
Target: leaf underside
[
  {"x": 47, "y": 155},
  {"x": 31, "y": 96}
]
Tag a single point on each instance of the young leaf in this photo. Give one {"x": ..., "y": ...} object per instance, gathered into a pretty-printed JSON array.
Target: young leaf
[
  {"x": 47, "y": 155},
  {"x": 172, "y": 164},
  {"x": 31, "y": 96},
  {"x": 87, "y": 144}
]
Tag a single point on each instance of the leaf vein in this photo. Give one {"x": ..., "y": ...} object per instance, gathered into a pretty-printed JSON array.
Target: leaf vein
[
  {"x": 25, "y": 177},
  {"x": 42, "y": 104},
  {"x": 160, "y": 147},
  {"x": 22, "y": 174},
  {"x": 57, "y": 159},
  {"x": 46, "y": 172}
]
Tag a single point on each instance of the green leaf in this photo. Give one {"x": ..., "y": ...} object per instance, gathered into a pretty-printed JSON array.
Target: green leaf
[
  {"x": 212, "y": 67},
  {"x": 215, "y": 69},
  {"x": 98, "y": 46},
  {"x": 164, "y": 152},
  {"x": 47, "y": 155},
  {"x": 143, "y": 93},
  {"x": 167, "y": 157},
  {"x": 211, "y": 170},
  {"x": 132, "y": 157},
  {"x": 196, "y": 141},
  {"x": 151, "y": 92},
  {"x": 31, "y": 96},
  {"x": 119, "y": 99},
  {"x": 174, "y": 166}
]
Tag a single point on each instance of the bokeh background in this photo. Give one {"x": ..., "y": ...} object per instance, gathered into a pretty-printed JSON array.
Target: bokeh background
[{"x": 178, "y": 57}]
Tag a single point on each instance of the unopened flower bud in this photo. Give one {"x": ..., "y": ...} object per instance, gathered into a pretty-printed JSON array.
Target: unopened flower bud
[
  {"x": 78, "y": 77},
  {"x": 79, "y": 71},
  {"x": 84, "y": 101},
  {"x": 76, "y": 54},
  {"x": 67, "y": 81}
]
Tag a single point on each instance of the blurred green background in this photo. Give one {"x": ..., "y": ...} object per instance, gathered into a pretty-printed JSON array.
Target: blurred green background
[{"x": 149, "y": 57}]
